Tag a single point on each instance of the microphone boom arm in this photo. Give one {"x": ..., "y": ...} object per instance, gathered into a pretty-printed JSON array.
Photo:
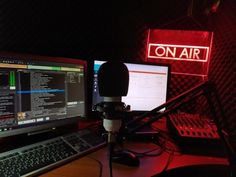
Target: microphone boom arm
[
  {"x": 176, "y": 101},
  {"x": 207, "y": 89}
]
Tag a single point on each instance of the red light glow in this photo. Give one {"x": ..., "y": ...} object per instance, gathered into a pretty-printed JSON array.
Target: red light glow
[{"x": 188, "y": 52}]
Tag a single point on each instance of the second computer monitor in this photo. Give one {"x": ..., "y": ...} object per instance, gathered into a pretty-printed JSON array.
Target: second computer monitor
[{"x": 148, "y": 85}]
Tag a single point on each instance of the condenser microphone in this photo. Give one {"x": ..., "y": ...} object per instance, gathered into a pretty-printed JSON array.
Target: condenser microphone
[{"x": 113, "y": 82}]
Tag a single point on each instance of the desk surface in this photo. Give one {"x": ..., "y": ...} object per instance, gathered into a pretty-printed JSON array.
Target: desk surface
[{"x": 89, "y": 166}]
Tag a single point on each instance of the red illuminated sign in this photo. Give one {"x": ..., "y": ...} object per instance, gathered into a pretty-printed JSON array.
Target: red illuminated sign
[
  {"x": 187, "y": 51},
  {"x": 178, "y": 52}
]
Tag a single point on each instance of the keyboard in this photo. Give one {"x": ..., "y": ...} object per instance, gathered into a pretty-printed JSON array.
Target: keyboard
[{"x": 37, "y": 158}]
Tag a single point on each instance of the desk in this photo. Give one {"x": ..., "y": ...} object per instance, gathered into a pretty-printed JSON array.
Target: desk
[{"x": 87, "y": 166}]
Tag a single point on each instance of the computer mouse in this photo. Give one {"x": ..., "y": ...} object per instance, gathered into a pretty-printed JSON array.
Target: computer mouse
[
  {"x": 125, "y": 158},
  {"x": 208, "y": 170}
]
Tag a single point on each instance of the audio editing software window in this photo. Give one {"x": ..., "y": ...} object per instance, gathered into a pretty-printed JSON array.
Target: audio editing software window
[{"x": 38, "y": 92}]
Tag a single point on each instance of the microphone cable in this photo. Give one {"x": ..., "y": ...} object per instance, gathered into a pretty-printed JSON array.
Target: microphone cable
[{"x": 110, "y": 153}]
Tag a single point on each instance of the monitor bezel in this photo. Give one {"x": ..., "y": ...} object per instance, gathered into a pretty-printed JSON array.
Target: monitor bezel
[{"x": 30, "y": 129}]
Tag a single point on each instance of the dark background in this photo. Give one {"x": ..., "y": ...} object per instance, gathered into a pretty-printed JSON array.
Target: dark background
[{"x": 116, "y": 30}]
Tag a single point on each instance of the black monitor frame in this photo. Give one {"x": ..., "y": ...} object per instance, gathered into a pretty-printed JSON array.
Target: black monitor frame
[{"x": 30, "y": 129}]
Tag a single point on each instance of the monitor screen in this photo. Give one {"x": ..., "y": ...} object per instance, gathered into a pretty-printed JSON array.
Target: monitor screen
[
  {"x": 40, "y": 93},
  {"x": 148, "y": 85}
]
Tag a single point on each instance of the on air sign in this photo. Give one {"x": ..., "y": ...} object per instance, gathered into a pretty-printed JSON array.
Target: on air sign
[
  {"x": 178, "y": 52},
  {"x": 181, "y": 48}
]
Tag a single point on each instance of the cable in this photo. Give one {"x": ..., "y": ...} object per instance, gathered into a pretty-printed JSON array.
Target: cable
[
  {"x": 110, "y": 152},
  {"x": 168, "y": 145},
  {"x": 165, "y": 139},
  {"x": 170, "y": 158},
  {"x": 164, "y": 143},
  {"x": 148, "y": 153},
  {"x": 100, "y": 165}
]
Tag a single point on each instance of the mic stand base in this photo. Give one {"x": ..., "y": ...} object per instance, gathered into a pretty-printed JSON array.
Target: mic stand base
[
  {"x": 120, "y": 156},
  {"x": 125, "y": 158}
]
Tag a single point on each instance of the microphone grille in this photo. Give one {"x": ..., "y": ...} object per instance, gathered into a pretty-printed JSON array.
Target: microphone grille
[{"x": 113, "y": 79}]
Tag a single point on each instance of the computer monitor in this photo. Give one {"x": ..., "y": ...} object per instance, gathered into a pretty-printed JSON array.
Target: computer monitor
[
  {"x": 148, "y": 85},
  {"x": 39, "y": 93}
]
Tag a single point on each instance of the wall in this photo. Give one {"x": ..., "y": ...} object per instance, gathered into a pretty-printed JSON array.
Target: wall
[{"x": 223, "y": 64}]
